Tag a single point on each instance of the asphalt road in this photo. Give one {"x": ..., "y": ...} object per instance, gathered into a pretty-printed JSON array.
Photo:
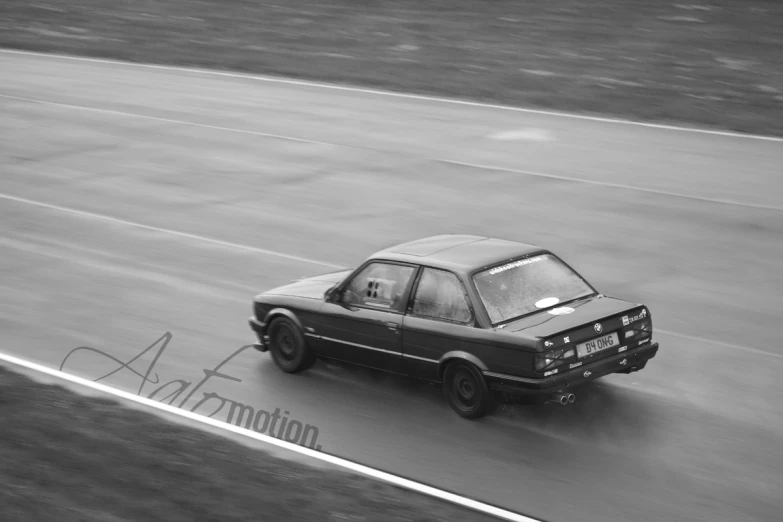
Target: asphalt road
[{"x": 689, "y": 223}]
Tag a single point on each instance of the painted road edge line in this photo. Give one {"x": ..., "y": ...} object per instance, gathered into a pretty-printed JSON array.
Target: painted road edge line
[
  {"x": 344, "y": 463},
  {"x": 694, "y": 338},
  {"x": 622, "y": 186},
  {"x": 206, "y": 239},
  {"x": 381, "y": 92}
]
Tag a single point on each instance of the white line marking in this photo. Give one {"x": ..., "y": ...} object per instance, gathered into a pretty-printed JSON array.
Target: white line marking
[
  {"x": 167, "y": 231},
  {"x": 758, "y": 206},
  {"x": 353, "y": 466},
  {"x": 719, "y": 343},
  {"x": 529, "y": 134},
  {"x": 297, "y": 258},
  {"x": 379, "y": 92},
  {"x": 423, "y": 158},
  {"x": 170, "y": 120}
]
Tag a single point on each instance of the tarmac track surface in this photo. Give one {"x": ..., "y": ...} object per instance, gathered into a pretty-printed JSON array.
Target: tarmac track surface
[{"x": 689, "y": 223}]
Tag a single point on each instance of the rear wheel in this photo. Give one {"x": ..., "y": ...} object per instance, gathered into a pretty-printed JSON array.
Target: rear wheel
[
  {"x": 288, "y": 346},
  {"x": 466, "y": 390}
]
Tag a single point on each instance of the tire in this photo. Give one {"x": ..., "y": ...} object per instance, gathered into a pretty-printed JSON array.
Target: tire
[
  {"x": 288, "y": 347},
  {"x": 466, "y": 390}
]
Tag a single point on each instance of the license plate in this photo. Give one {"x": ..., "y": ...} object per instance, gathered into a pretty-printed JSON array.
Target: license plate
[{"x": 597, "y": 345}]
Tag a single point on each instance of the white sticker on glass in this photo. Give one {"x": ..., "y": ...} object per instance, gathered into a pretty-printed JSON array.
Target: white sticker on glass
[{"x": 547, "y": 302}]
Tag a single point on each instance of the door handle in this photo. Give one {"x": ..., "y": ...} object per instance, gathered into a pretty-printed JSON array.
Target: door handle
[{"x": 392, "y": 326}]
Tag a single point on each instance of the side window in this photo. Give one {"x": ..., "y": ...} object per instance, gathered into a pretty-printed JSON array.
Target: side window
[
  {"x": 440, "y": 296},
  {"x": 379, "y": 285}
]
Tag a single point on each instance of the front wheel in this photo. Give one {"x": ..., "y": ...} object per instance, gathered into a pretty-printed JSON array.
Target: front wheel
[
  {"x": 466, "y": 390},
  {"x": 288, "y": 346}
]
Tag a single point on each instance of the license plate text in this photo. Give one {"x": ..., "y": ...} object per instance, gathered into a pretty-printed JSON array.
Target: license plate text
[{"x": 596, "y": 345}]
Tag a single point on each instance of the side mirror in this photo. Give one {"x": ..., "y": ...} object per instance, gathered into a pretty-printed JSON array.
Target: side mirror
[{"x": 333, "y": 295}]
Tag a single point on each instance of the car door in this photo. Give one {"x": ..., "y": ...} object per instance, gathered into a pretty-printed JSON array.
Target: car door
[
  {"x": 363, "y": 326},
  {"x": 439, "y": 319}
]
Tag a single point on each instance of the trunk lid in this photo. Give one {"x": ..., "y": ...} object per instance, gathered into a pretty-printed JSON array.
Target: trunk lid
[
  {"x": 561, "y": 319},
  {"x": 592, "y": 329}
]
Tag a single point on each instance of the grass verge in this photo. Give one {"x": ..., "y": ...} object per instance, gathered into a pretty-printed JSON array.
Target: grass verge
[
  {"x": 716, "y": 63},
  {"x": 65, "y": 456}
]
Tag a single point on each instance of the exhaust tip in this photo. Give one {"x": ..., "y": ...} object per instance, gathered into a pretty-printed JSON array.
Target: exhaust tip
[
  {"x": 571, "y": 398},
  {"x": 558, "y": 398}
]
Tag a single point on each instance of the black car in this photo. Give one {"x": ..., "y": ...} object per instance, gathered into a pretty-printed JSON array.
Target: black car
[{"x": 477, "y": 314}]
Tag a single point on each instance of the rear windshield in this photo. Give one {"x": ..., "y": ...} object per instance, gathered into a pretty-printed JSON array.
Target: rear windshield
[{"x": 527, "y": 285}]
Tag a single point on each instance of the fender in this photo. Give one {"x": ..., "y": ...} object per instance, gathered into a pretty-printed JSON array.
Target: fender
[
  {"x": 285, "y": 312},
  {"x": 465, "y": 356}
]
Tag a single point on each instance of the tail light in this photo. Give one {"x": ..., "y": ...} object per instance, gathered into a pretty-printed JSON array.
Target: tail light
[
  {"x": 640, "y": 329},
  {"x": 553, "y": 358}
]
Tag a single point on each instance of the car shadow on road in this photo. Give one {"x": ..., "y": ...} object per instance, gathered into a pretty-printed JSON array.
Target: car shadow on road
[{"x": 604, "y": 411}]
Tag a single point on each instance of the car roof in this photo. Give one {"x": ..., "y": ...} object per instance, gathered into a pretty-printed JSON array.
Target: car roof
[{"x": 462, "y": 253}]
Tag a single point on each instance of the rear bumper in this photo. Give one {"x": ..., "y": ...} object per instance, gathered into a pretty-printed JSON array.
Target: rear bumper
[
  {"x": 626, "y": 362},
  {"x": 259, "y": 328}
]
